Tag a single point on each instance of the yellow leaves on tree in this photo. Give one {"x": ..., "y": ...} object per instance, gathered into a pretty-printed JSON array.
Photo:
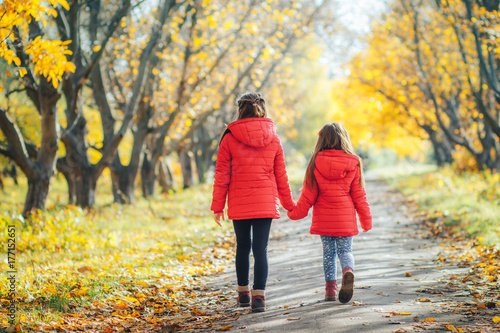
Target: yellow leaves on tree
[{"x": 49, "y": 57}]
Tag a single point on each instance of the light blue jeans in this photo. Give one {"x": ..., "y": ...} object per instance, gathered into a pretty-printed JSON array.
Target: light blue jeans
[{"x": 333, "y": 247}]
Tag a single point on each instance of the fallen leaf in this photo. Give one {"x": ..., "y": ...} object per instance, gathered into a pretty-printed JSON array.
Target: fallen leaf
[
  {"x": 85, "y": 270},
  {"x": 131, "y": 299},
  {"x": 429, "y": 320},
  {"x": 293, "y": 318},
  {"x": 396, "y": 313},
  {"x": 424, "y": 300},
  {"x": 259, "y": 330},
  {"x": 450, "y": 328},
  {"x": 408, "y": 274},
  {"x": 225, "y": 328},
  {"x": 121, "y": 306},
  {"x": 496, "y": 319}
]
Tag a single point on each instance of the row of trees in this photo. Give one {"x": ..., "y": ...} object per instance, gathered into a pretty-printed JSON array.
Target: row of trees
[
  {"x": 431, "y": 70},
  {"x": 122, "y": 84}
]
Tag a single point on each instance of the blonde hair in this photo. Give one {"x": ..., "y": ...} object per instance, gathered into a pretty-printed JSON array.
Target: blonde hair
[{"x": 332, "y": 136}]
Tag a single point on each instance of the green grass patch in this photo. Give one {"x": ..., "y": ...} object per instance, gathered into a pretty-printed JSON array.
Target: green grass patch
[
  {"x": 69, "y": 258},
  {"x": 467, "y": 202}
]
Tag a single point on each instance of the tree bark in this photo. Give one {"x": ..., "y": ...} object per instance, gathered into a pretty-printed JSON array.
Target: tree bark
[
  {"x": 165, "y": 176},
  {"x": 148, "y": 176},
  {"x": 186, "y": 168},
  {"x": 123, "y": 183}
]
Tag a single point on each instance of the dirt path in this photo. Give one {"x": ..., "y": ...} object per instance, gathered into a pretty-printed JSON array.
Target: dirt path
[{"x": 383, "y": 289}]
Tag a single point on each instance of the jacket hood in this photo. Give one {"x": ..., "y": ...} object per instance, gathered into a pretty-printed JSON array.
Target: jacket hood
[
  {"x": 335, "y": 164},
  {"x": 253, "y": 132}
]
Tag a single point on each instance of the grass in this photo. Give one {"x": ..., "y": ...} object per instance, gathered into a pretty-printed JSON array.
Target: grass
[
  {"x": 469, "y": 203},
  {"x": 68, "y": 258}
]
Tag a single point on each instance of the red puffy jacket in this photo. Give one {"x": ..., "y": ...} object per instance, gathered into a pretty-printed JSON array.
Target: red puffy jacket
[
  {"x": 250, "y": 170},
  {"x": 336, "y": 198}
]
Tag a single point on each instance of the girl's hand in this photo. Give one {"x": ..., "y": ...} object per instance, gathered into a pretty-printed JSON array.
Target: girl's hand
[{"x": 218, "y": 217}]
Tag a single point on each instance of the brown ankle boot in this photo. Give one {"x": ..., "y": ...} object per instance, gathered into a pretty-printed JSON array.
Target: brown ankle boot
[
  {"x": 258, "y": 301},
  {"x": 331, "y": 291},
  {"x": 347, "y": 289},
  {"x": 243, "y": 296}
]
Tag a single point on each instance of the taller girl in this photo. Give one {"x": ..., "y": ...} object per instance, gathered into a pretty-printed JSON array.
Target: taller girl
[
  {"x": 334, "y": 185},
  {"x": 250, "y": 171}
]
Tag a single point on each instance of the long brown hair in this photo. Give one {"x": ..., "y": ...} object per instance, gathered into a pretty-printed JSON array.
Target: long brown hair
[
  {"x": 332, "y": 136},
  {"x": 250, "y": 105}
]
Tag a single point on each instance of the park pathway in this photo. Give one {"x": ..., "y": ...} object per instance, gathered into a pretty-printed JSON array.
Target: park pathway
[{"x": 385, "y": 258}]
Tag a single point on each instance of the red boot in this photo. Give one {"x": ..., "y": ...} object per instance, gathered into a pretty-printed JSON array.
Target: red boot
[
  {"x": 347, "y": 289},
  {"x": 258, "y": 301},
  {"x": 331, "y": 291},
  {"x": 243, "y": 296}
]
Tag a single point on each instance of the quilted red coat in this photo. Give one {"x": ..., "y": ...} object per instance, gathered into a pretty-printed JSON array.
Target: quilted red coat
[
  {"x": 336, "y": 198},
  {"x": 250, "y": 170}
]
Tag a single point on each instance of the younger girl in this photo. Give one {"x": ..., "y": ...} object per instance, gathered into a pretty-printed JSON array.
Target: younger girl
[
  {"x": 250, "y": 172},
  {"x": 334, "y": 185}
]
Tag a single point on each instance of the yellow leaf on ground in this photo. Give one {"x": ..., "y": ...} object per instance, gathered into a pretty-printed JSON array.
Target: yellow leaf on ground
[
  {"x": 429, "y": 320},
  {"x": 496, "y": 319},
  {"x": 408, "y": 274},
  {"x": 424, "y": 300},
  {"x": 85, "y": 269},
  {"x": 121, "y": 306},
  {"x": 225, "y": 328},
  {"x": 450, "y": 328},
  {"x": 395, "y": 313},
  {"x": 131, "y": 299}
]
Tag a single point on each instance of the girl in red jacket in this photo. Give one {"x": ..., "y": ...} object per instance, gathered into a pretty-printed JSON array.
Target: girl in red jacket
[
  {"x": 250, "y": 171},
  {"x": 334, "y": 185}
]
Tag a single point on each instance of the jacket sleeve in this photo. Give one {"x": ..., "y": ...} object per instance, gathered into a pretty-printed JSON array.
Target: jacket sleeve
[
  {"x": 306, "y": 201},
  {"x": 358, "y": 196},
  {"x": 222, "y": 177},
  {"x": 284, "y": 191}
]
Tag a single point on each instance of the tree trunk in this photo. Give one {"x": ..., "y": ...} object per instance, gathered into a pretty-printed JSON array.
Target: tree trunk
[
  {"x": 148, "y": 176},
  {"x": 38, "y": 190},
  {"x": 123, "y": 183},
  {"x": 69, "y": 175},
  {"x": 186, "y": 168},
  {"x": 44, "y": 167},
  {"x": 165, "y": 177},
  {"x": 200, "y": 165},
  {"x": 443, "y": 150},
  {"x": 86, "y": 183}
]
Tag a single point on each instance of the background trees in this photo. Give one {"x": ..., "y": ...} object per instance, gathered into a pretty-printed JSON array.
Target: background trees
[
  {"x": 129, "y": 86},
  {"x": 430, "y": 70},
  {"x": 125, "y": 84}
]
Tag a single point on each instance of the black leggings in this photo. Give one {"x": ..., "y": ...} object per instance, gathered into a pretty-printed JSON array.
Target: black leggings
[{"x": 258, "y": 245}]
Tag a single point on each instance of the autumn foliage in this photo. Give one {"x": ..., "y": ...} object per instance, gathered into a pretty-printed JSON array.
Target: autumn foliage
[{"x": 430, "y": 71}]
